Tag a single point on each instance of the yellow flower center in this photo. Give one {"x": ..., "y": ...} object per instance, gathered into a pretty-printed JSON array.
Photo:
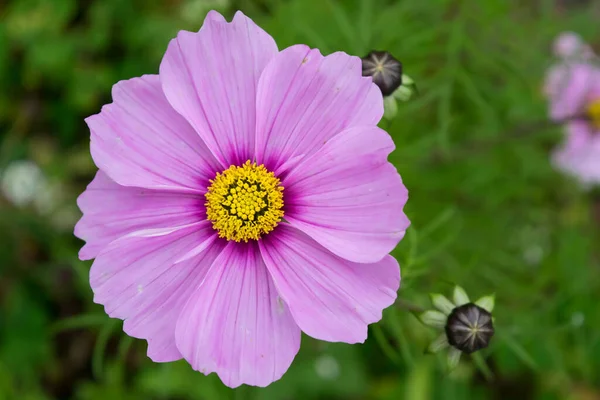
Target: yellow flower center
[
  {"x": 593, "y": 112},
  {"x": 244, "y": 202}
]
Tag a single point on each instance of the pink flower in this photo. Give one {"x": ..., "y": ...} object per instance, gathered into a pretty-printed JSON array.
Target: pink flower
[
  {"x": 568, "y": 80},
  {"x": 569, "y": 89},
  {"x": 573, "y": 88},
  {"x": 579, "y": 155},
  {"x": 569, "y": 45},
  {"x": 243, "y": 196}
]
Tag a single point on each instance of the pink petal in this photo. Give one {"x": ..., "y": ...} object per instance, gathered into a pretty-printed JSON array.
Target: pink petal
[
  {"x": 579, "y": 156},
  {"x": 569, "y": 88},
  {"x": 594, "y": 94},
  {"x": 210, "y": 78},
  {"x": 567, "y": 156},
  {"x": 139, "y": 140},
  {"x": 235, "y": 324},
  {"x": 348, "y": 197},
  {"x": 137, "y": 279},
  {"x": 304, "y": 99},
  {"x": 213, "y": 15},
  {"x": 111, "y": 211},
  {"x": 554, "y": 79},
  {"x": 330, "y": 298}
]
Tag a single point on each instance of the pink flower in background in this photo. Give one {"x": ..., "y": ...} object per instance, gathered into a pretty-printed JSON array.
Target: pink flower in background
[
  {"x": 569, "y": 45},
  {"x": 579, "y": 155},
  {"x": 573, "y": 89},
  {"x": 243, "y": 196},
  {"x": 568, "y": 80}
]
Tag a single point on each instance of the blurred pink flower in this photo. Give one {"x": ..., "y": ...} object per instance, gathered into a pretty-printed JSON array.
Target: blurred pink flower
[
  {"x": 243, "y": 196},
  {"x": 570, "y": 45},
  {"x": 579, "y": 155},
  {"x": 573, "y": 89},
  {"x": 567, "y": 80},
  {"x": 570, "y": 89}
]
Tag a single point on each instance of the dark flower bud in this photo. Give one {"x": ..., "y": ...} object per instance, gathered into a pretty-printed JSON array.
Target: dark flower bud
[
  {"x": 385, "y": 70},
  {"x": 469, "y": 328}
]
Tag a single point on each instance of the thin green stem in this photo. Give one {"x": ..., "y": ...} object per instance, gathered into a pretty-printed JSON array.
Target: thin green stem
[
  {"x": 483, "y": 367},
  {"x": 385, "y": 346}
]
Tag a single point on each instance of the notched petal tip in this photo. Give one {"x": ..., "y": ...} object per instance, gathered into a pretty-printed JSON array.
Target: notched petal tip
[
  {"x": 239, "y": 16},
  {"x": 95, "y": 119},
  {"x": 85, "y": 254},
  {"x": 210, "y": 79},
  {"x": 215, "y": 16}
]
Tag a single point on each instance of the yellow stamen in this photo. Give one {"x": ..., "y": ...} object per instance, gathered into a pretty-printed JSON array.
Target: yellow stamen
[
  {"x": 244, "y": 202},
  {"x": 593, "y": 112}
]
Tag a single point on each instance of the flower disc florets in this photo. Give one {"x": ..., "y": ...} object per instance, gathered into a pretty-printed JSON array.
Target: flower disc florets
[
  {"x": 593, "y": 113},
  {"x": 244, "y": 202}
]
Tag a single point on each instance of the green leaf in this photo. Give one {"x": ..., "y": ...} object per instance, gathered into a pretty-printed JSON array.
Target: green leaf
[
  {"x": 100, "y": 347},
  {"x": 78, "y": 322}
]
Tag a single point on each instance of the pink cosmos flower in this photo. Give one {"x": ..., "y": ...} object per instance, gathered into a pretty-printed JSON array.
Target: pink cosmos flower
[
  {"x": 573, "y": 88},
  {"x": 243, "y": 196},
  {"x": 565, "y": 79},
  {"x": 569, "y": 45}
]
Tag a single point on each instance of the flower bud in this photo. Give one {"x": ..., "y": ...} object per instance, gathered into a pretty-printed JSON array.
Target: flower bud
[
  {"x": 469, "y": 328},
  {"x": 385, "y": 70}
]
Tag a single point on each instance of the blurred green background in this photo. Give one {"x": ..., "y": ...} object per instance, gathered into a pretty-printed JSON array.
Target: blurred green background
[{"x": 488, "y": 210}]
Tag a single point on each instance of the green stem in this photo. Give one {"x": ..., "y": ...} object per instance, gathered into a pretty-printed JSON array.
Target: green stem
[
  {"x": 385, "y": 346},
  {"x": 483, "y": 367},
  {"x": 406, "y": 305}
]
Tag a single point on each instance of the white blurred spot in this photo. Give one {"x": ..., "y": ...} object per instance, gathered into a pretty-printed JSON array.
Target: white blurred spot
[
  {"x": 577, "y": 319},
  {"x": 22, "y": 181},
  {"x": 533, "y": 254},
  {"x": 140, "y": 288},
  {"x": 327, "y": 367}
]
